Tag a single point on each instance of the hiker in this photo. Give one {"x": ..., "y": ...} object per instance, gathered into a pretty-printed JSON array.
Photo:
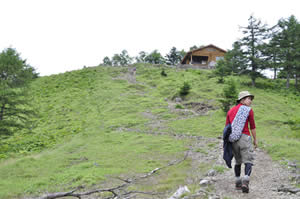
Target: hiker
[{"x": 239, "y": 117}]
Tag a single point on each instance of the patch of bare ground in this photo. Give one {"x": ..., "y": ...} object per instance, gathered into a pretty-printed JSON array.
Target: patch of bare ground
[
  {"x": 129, "y": 76},
  {"x": 190, "y": 109},
  {"x": 268, "y": 179}
]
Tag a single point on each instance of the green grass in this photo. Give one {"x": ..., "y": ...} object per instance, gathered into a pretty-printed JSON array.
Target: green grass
[
  {"x": 87, "y": 160},
  {"x": 93, "y": 124},
  {"x": 219, "y": 169}
]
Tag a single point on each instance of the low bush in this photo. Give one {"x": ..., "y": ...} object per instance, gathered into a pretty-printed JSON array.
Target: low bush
[
  {"x": 185, "y": 89},
  {"x": 229, "y": 95}
]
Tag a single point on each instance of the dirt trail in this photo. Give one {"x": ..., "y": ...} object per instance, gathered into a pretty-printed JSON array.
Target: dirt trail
[{"x": 267, "y": 176}]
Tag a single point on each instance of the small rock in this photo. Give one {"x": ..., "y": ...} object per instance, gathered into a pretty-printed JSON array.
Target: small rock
[
  {"x": 178, "y": 99},
  {"x": 296, "y": 178},
  {"x": 207, "y": 180},
  {"x": 180, "y": 192},
  {"x": 204, "y": 182},
  {"x": 211, "y": 172},
  {"x": 274, "y": 189},
  {"x": 214, "y": 197},
  {"x": 286, "y": 189},
  {"x": 294, "y": 190},
  {"x": 292, "y": 164}
]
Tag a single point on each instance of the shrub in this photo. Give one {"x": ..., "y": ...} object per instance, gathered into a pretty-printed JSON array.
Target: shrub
[
  {"x": 179, "y": 106},
  {"x": 229, "y": 95},
  {"x": 185, "y": 89},
  {"x": 163, "y": 73}
]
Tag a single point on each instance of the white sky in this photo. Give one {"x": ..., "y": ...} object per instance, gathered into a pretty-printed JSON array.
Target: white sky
[{"x": 62, "y": 35}]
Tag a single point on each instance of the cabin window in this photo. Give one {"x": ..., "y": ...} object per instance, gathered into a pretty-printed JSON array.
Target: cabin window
[{"x": 200, "y": 59}]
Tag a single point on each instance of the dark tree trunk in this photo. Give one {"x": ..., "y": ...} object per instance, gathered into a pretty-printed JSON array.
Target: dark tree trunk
[{"x": 253, "y": 82}]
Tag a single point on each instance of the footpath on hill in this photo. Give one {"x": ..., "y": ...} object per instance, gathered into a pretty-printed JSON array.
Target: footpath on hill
[{"x": 269, "y": 179}]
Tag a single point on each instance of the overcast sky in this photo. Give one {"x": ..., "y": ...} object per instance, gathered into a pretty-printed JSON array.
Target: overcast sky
[{"x": 62, "y": 35}]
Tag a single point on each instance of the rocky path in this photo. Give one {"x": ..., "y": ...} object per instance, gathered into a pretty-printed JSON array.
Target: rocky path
[{"x": 269, "y": 179}]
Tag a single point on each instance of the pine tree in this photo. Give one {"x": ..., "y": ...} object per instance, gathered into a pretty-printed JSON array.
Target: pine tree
[
  {"x": 141, "y": 57},
  {"x": 15, "y": 75},
  {"x": 173, "y": 57},
  {"x": 233, "y": 63},
  {"x": 289, "y": 42},
  {"x": 229, "y": 95},
  {"x": 107, "y": 61},
  {"x": 254, "y": 35},
  {"x": 155, "y": 58},
  {"x": 271, "y": 51},
  {"x": 122, "y": 59}
]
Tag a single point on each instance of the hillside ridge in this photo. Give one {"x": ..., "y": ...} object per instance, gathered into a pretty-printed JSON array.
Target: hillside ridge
[{"x": 102, "y": 126}]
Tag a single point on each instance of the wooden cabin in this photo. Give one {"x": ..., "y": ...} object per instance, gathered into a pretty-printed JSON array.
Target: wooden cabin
[{"x": 204, "y": 57}]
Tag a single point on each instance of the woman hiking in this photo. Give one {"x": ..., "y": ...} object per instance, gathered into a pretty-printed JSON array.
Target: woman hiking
[{"x": 240, "y": 116}]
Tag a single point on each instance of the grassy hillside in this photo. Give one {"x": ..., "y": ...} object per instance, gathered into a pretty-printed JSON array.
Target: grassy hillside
[{"x": 99, "y": 123}]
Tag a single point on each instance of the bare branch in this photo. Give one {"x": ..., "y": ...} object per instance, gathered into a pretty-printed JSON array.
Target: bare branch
[{"x": 114, "y": 189}]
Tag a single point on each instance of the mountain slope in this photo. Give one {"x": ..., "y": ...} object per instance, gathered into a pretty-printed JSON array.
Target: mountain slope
[{"x": 98, "y": 124}]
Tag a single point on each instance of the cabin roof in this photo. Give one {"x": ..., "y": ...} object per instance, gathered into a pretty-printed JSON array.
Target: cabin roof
[
  {"x": 208, "y": 46},
  {"x": 198, "y": 49}
]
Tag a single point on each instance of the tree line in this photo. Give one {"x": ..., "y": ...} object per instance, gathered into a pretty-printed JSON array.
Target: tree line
[
  {"x": 155, "y": 57},
  {"x": 262, "y": 47}
]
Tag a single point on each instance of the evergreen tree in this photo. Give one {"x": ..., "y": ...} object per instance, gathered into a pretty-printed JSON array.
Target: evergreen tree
[
  {"x": 222, "y": 70},
  {"x": 116, "y": 60},
  {"x": 155, "y": 58},
  {"x": 122, "y": 59},
  {"x": 271, "y": 52},
  {"x": 233, "y": 63},
  {"x": 185, "y": 89},
  {"x": 194, "y": 47},
  {"x": 141, "y": 57},
  {"x": 15, "y": 75},
  {"x": 107, "y": 61},
  {"x": 254, "y": 35},
  {"x": 229, "y": 95},
  {"x": 125, "y": 58},
  {"x": 289, "y": 42},
  {"x": 173, "y": 57},
  {"x": 182, "y": 53}
]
